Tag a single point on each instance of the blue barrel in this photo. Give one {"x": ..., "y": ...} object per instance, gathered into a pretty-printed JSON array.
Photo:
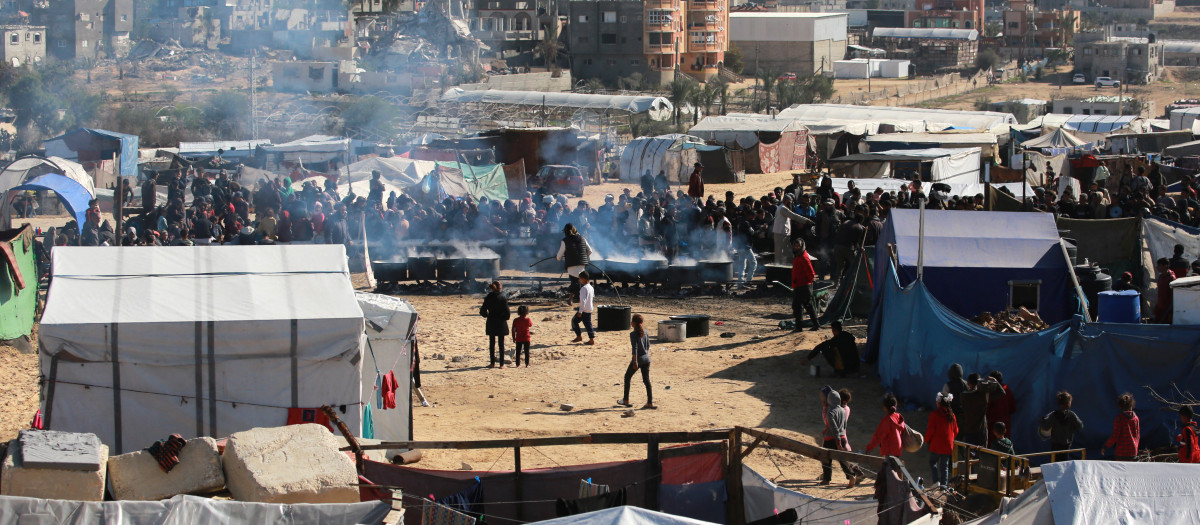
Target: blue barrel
[{"x": 1124, "y": 306}]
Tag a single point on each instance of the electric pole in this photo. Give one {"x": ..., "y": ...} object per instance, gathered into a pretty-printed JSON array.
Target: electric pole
[{"x": 253, "y": 99}]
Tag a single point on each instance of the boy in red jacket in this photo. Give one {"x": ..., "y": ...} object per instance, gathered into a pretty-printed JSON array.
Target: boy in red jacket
[
  {"x": 1189, "y": 448},
  {"x": 520, "y": 335},
  {"x": 1127, "y": 430},
  {"x": 940, "y": 432},
  {"x": 889, "y": 434},
  {"x": 802, "y": 287}
]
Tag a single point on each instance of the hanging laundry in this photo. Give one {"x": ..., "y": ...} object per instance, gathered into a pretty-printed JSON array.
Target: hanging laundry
[
  {"x": 588, "y": 489},
  {"x": 379, "y": 389},
  {"x": 566, "y": 507},
  {"x": 166, "y": 451},
  {"x": 368, "y": 423},
  {"x": 436, "y": 514},
  {"x": 389, "y": 390},
  {"x": 300, "y": 416},
  {"x": 469, "y": 501}
]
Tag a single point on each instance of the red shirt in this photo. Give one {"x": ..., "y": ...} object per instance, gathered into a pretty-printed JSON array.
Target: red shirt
[
  {"x": 802, "y": 271},
  {"x": 889, "y": 436},
  {"x": 940, "y": 432},
  {"x": 520, "y": 329},
  {"x": 696, "y": 185},
  {"x": 1189, "y": 450},
  {"x": 1001, "y": 408},
  {"x": 1127, "y": 431}
]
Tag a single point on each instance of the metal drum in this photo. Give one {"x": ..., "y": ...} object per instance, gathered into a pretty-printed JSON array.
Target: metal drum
[
  {"x": 697, "y": 324},
  {"x": 684, "y": 274},
  {"x": 390, "y": 271},
  {"x": 483, "y": 268},
  {"x": 451, "y": 269},
  {"x": 613, "y": 317},
  {"x": 653, "y": 271},
  {"x": 422, "y": 268},
  {"x": 672, "y": 331},
  {"x": 716, "y": 271}
]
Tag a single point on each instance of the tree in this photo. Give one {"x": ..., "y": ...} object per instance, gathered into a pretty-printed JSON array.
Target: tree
[
  {"x": 987, "y": 59},
  {"x": 227, "y": 113},
  {"x": 768, "y": 78},
  {"x": 594, "y": 85},
  {"x": 1066, "y": 29},
  {"x": 370, "y": 116},
  {"x": 992, "y": 30},
  {"x": 807, "y": 89},
  {"x": 549, "y": 48},
  {"x": 679, "y": 92},
  {"x": 722, "y": 90},
  {"x": 733, "y": 59}
]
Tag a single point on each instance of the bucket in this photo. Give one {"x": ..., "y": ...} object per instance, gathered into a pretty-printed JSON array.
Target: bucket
[
  {"x": 610, "y": 317},
  {"x": 697, "y": 324},
  {"x": 1124, "y": 306},
  {"x": 672, "y": 331}
]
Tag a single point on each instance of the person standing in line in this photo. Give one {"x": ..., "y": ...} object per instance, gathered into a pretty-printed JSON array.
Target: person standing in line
[
  {"x": 1189, "y": 444},
  {"x": 521, "y": 334},
  {"x": 940, "y": 433},
  {"x": 1127, "y": 431},
  {"x": 584, "y": 315},
  {"x": 803, "y": 277},
  {"x": 696, "y": 182},
  {"x": 1164, "y": 308},
  {"x": 575, "y": 250},
  {"x": 1002, "y": 407},
  {"x": 889, "y": 434},
  {"x": 495, "y": 309},
  {"x": 640, "y": 343},
  {"x": 781, "y": 230}
]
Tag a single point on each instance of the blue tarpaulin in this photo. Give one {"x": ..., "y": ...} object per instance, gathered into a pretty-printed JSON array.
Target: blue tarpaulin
[
  {"x": 71, "y": 193},
  {"x": 918, "y": 339},
  {"x": 970, "y": 258}
]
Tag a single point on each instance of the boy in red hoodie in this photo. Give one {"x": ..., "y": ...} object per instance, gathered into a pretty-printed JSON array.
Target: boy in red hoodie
[
  {"x": 520, "y": 335},
  {"x": 889, "y": 434},
  {"x": 940, "y": 432},
  {"x": 1189, "y": 448},
  {"x": 1127, "y": 430}
]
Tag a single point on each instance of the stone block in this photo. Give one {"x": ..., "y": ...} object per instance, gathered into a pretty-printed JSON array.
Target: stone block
[
  {"x": 137, "y": 476},
  {"x": 58, "y": 450},
  {"x": 48, "y": 483},
  {"x": 292, "y": 464}
]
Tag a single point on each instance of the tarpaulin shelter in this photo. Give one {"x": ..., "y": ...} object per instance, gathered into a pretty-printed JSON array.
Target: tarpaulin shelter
[
  {"x": 228, "y": 149},
  {"x": 138, "y": 343},
  {"x": 396, "y": 174},
  {"x": 1104, "y": 492},
  {"x": 92, "y": 147},
  {"x": 657, "y": 108},
  {"x": 1186, "y": 149},
  {"x": 391, "y": 327},
  {"x": 188, "y": 509},
  {"x": 18, "y": 284},
  {"x": 915, "y": 340},
  {"x": 720, "y": 166},
  {"x": 949, "y": 166},
  {"x": 986, "y": 142},
  {"x": 973, "y": 259},
  {"x": 1057, "y": 139},
  {"x": 902, "y": 118},
  {"x": 771, "y": 144},
  {"x": 453, "y": 179},
  {"x": 662, "y": 153},
  {"x": 1152, "y": 142},
  {"x": 25, "y": 169},
  {"x": 623, "y": 515},
  {"x": 309, "y": 151},
  {"x": 73, "y": 195}
]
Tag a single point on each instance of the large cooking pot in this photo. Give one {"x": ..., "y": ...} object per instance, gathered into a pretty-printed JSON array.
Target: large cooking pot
[
  {"x": 451, "y": 268},
  {"x": 610, "y": 317},
  {"x": 422, "y": 268},
  {"x": 621, "y": 271},
  {"x": 390, "y": 271},
  {"x": 716, "y": 271},
  {"x": 697, "y": 324},
  {"x": 672, "y": 331},
  {"x": 483, "y": 268},
  {"x": 684, "y": 274},
  {"x": 779, "y": 272},
  {"x": 653, "y": 270}
]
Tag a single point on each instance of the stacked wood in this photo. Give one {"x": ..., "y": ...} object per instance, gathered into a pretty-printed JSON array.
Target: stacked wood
[{"x": 1011, "y": 321}]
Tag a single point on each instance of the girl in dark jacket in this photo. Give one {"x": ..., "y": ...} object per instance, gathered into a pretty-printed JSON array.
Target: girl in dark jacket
[
  {"x": 495, "y": 309},
  {"x": 640, "y": 343}
]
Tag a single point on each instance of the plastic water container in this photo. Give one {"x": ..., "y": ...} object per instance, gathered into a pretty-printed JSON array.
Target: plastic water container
[
  {"x": 1124, "y": 306},
  {"x": 672, "y": 331}
]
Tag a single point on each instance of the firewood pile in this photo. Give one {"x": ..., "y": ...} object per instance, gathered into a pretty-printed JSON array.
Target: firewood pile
[{"x": 1013, "y": 321}]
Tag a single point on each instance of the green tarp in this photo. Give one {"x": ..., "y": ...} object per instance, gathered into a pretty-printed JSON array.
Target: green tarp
[
  {"x": 17, "y": 304},
  {"x": 479, "y": 181}
]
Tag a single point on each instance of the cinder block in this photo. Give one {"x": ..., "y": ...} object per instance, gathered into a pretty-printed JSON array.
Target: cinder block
[
  {"x": 49, "y": 483},
  {"x": 137, "y": 476},
  {"x": 292, "y": 464}
]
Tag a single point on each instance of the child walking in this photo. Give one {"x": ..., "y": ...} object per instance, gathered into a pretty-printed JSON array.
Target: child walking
[
  {"x": 587, "y": 295},
  {"x": 520, "y": 335},
  {"x": 641, "y": 361}
]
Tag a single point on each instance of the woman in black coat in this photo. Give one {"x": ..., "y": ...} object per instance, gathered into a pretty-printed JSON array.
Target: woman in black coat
[{"x": 495, "y": 309}]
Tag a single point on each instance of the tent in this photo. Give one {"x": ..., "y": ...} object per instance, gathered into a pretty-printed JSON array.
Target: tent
[
  {"x": 93, "y": 147},
  {"x": 623, "y": 515},
  {"x": 314, "y": 149},
  {"x": 984, "y": 252},
  {"x": 719, "y": 166},
  {"x": 25, "y": 169},
  {"x": 949, "y": 166},
  {"x": 1104, "y": 492},
  {"x": 453, "y": 179},
  {"x": 188, "y": 509},
  {"x": 1186, "y": 149},
  {"x": 139, "y": 343},
  {"x": 652, "y": 154},
  {"x": 391, "y": 329},
  {"x": 1057, "y": 139},
  {"x": 73, "y": 195},
  {"x": 771, "y": 144},
  {"x": 904, "y": 118},
  {"x": 397, "y": 174},
  {"x": 18, "y": 286},
  {"x": 907, "y": 141}
]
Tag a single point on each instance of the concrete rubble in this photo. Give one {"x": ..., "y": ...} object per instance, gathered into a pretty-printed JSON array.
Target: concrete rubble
[
  {"x": 137, "y": 476},
  {"x": 292, "y": 464},
  {"x": 60, "y": 465}
]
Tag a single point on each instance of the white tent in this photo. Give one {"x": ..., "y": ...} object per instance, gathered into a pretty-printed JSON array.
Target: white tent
[
  {"x": 903, "y": 117},
  {"x": 664, "y": 152},
  {"x": 1057, "y": 139},
  {"x": 624, "y": 515},
  {"x": 741, "y": 131},
  {"x": 950, "y": 166},
  {"x": 311, "y": 149},
  {"x": 397, "y": 174},
  {"x": 25, "y": 169},
  {"x": 391, "y": 329},
  {"x": 139, "y": 343},
  {"x": 1105, "y": 492}
]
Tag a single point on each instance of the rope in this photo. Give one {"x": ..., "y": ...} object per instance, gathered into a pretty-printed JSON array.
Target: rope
[{"x": 184, "y": 398}]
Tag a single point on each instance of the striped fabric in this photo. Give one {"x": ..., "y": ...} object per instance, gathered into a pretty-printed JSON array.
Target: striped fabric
[{"x": 588, "y": 489}]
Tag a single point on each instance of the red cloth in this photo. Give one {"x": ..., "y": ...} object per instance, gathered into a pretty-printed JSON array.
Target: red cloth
[
  {"x": 695, "y": 468},
  {"x": 1001, "y": 408},
  {"x": 520, "y": 329},
  {"x": 300, "y": 416},
  {"x": 14, "y": 267},
  {"x": 889, "y": 436},
  {"x": 1189, "y": 449},
  {"x": 802, "y": 271},
  {"x": 1127, "y": 432},
  {"x": 940, "y": 432},
  {"x": 389, "y": 390},
  {"x": 696, "y": 185},
  {"x": 1165, "y": 307}
]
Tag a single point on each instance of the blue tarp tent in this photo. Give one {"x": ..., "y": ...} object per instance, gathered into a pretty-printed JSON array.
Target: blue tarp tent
[
  {"x": 91, "y": 145},
  {"x": 918, "y": 339},
  {"x": 73, "y": 195},
  {"x": 971, "y": 256}
]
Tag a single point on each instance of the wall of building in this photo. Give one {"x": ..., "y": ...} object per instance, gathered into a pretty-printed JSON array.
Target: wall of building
[
  {"x": 605, "y": 40},
  {"x": 22, "y": 44},
  {"x": 319, "y": 77},
  {"x": 796, "y": 43}
]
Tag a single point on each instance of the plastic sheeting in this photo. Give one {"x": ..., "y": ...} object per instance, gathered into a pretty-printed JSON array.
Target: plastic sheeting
[
  {"x": 950, "y": 166},
  {"x": 742, "y": 131},
  {"x": 391, "y": 329},
  {"x": 186, "y": 510},
  {"x": 396, "y": 173},
  {"x": 659, "y": 108},
  {"x": 764, "y": 499},
  {"x": 932, "y": 118},
  {"x": 661, "y": 153},
  {"x": 625, "y": 515},
  {"x": 71, "y": 193}
]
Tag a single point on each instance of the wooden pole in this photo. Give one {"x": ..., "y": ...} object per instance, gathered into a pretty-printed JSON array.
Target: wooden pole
[
  {"x": 341, "y": 426},
  {"x": 733, "y": 479},
  {"x": 117, "y": 204},
  {"x": 655, "y": 472}
]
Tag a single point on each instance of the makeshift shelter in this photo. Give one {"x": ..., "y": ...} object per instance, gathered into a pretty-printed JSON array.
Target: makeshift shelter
[
  {"x": 662, "y": 153},
  {"x": 18, "y": 286},
  {"x": 73, "y": 195},
  {"x": 902, "y": 118},
  {"x": 26, "y": 169},
  {"x": 96, "y": 150},
  {"x": 771, "y": 144},
  {"x": 721, "y": 166},
  {"x": 1055, "y": 140},
  {"x": 1186, "y": 149},
  {"x": 950, "y": 166},
  {"x": 391, "y": 331},
  {"x": 657, "y": 108},
  {"x": 453, "y": 179},
  {"x": 139, "y": 343},
  {"x": 623, "y": 515},
  {"x": 1005, "y": 259},
  {"x": 1104, "y": 492},
  {"x": 1153, "y": 142},
  {"x": 396, "y": 174},
  {"x": 986, "y": 142},
  {"x": 228, "y": 149},
  {"x": 188, "y": 509},
  {"x": 312, "y": 152}
]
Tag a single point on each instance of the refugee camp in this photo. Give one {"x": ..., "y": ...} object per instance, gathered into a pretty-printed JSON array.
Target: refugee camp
[{"x": 508, "y": 262}]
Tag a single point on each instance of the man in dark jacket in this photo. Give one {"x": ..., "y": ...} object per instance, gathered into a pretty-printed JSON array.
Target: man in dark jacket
[
  {"x": 955, "y": 385},
  {"x": 696, "y": 182},
  {"x": 840, "y": 351},
  {"x": 973, "y": 425}
]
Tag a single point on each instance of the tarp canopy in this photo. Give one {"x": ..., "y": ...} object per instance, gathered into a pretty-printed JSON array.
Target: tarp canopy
[
  {"x": 659, "y": 108},
  {"x": 936, "y": 119},
  {"x": 1187, "y": 149},
  {"x": 184, "y": 510},
  {"x": 623, "y": 515},
  {"x": 764, "y": 499},
  {"x": 950, "y": 166},
  {"x": 1057, "y": 139},
  {"x": 742, "y": 131},
  {"x": 1082, "y": 123},
  {"x": 397, "y": 174},
  {"x": 71, "y": 193},
  {"x": 1104, "y": 492},
  {"x": 905, "y": 141},
  {"x": 454, "y": 179},
  {"x": 926, "y": 33},
  {"x": 89, "y": 144},
  {"x": 981, "y": 252},
  {"x": 229, "y": 148},
  {"x": 661, "y": 153},
  {"x": 310, "y": 149},
  {"x": 207, "y": 340},
  {"x": 25, "y": 169}
]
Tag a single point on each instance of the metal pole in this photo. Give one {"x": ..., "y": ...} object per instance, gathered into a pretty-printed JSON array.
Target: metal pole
[{"x": 921, "y": 242}]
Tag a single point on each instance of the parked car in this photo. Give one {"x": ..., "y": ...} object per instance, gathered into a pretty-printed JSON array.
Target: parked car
[
  {"x": 1079, "y": 79},
  {"x": 787, "y": 76},
  {"x": 558, "y": 178},
  {"x": 1107, "y": 82}
]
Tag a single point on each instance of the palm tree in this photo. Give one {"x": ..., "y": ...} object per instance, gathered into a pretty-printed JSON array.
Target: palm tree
[
  {"x": 768, "y": 78},
  {"x": 1066, "y": 28},
  {"x": 680, "y": 92},
  {"x": 549, "y": 48},
  {"x": 721, "y": 87}
]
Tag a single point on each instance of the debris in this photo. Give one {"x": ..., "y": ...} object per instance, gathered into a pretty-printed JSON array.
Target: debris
[
  {"x": 457, "y": 358},
  {"x": 137, "y": 475},
  {"x": 67, "y": 481},
  {"x": 443, "y": 356},
  {"x": 627, "y": 413},
  {"x": 465, "y": 466},
  {"x": 1012, "y": 321},
  {"x": 292, "y": 464},
  {"x": 490, "y": 396},
  {"x": 566, "y": 407},
  {"x": 727, "y": 335}
]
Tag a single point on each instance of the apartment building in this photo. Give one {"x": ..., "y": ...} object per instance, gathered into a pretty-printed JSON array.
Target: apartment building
[{"x": 23, "y": 44}]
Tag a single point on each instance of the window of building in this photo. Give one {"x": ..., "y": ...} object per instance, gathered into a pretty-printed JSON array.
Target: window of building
[
  {"x": 37, "y": 38},
  {"x": 635, "y": 62},
  {"x": 522, "y": 5},
  {"x": 124, "y": 18},
  {"x": 1087, "y": 50},
  {"x": 316, "y": 73},
  {"x": 661, "y": 39},
  {"x": 587, "y": 61},
  {"x": 1137, "y": 52},
  {"x": 1099, "y": 111},
  {"x": 1014, "y": 25},
  {"x": 1087, "y": 111},
  {"x": 612, "y": 61},
  {"x": 916, "y": 23},
  {"x": 83, "y": 43},
  {"x": 659, "y": 17},
  {"x": 624, "y": 19},
  {"x": 583, "y": 19},
  {"x": 15, "y": 38},
  {"x": 1068, "y": 110},
  {"x": 608, "y": 38},
  {"x": 609, "y": 17}
]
